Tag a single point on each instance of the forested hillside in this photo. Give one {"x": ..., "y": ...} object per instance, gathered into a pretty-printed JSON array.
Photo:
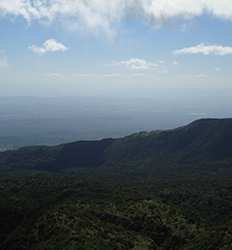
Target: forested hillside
[
  {"x": 204, "y": 141},
  {"x": 164, "y": 190}
]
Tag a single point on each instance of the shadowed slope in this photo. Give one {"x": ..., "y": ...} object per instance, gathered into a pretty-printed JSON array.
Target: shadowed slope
[{"x": 207, "y": 140}]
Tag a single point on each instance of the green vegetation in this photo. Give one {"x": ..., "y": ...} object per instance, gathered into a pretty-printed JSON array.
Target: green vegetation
[
  {"x": 100, "y": 211},
  {"x": 165, "y": 190},
  {"x": 201, "y": 142}
]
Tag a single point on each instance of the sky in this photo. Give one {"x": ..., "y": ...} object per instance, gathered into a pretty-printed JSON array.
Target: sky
[{"x": 115, "y": 48}]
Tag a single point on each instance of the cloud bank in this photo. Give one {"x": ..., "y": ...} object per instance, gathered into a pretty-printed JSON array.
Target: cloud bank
[
  {"x": 137, "y": 64},
  {"x": 103, "y": 14},
  {"x": 51, "y": 45},
  {"x": 205, "y": 50}
]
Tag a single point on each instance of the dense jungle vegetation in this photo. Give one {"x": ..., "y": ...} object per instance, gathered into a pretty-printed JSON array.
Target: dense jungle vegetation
[{"x": 159, "y": 190}]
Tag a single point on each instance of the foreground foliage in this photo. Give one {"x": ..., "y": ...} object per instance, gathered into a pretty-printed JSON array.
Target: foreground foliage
[{"x": 107, "y": 211}]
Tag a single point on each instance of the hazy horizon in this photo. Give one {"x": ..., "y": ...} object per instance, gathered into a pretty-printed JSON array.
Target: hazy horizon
[
  {"x": 54, "y": 120},
  {"x": 78, "y": 70}
]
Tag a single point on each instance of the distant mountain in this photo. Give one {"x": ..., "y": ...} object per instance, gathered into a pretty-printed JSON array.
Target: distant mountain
[{"x": 203, "y": 141}]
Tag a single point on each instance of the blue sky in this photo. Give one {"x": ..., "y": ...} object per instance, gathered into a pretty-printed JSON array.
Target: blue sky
[{"x": 126, "y": 47}]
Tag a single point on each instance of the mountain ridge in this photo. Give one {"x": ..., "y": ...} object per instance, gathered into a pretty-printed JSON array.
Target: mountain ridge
[{"x": 204, "y": 140}]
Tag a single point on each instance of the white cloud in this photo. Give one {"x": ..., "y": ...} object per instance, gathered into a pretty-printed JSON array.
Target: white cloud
[
  {"x": 201, "y": 76},
  {"x": 3, "y": 60},
  {"x": 205, "y": 50},
  {"x": 52, "y": 76},
  {"x": 88, "y": 75},
  {"x": 175, "y": 63},
  {"x": 51, "y": 45},
  {"x": 137, "y": 64},
  {"x": 103, "y": 14}
]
